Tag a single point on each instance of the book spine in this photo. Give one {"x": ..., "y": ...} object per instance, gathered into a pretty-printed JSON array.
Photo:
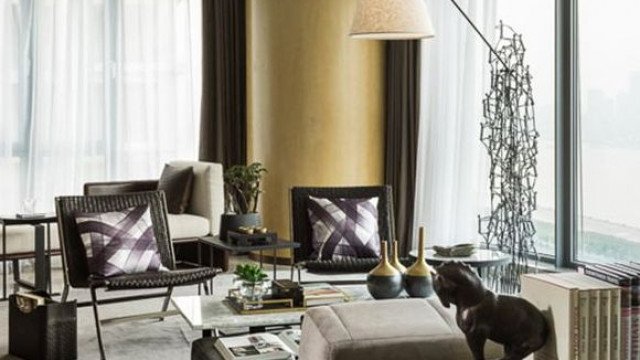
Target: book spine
[
  {"x": 605, "y": 324},
  {"x": 615, "y": 325},
  {"x": 584, "y": 326},
  {"x": 625, "y": 332},
  {"x": 594, "y": 325},
  {"x": 575, "y": 324},
  {"x": 635, "y": 325}
]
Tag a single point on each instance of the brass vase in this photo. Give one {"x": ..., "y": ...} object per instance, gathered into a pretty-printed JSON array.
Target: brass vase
[
  {"x": 395, "y": 261},
  {"x": 417, "y": 279},
  {"x": 384, "y": 281}
]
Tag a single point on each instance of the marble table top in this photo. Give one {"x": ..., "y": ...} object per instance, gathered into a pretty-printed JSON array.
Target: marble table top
[
  {"x": 480, "y": 258},
  {"x": 211, "y": 312}
]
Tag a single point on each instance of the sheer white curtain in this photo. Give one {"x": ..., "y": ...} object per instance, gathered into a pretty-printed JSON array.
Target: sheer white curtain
[
  {"x": 95, "y": 90},
  {"x": 451, "y": 184}
]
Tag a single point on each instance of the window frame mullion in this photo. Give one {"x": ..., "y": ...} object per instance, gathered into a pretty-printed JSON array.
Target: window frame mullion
[{"x": 566, "y": 144}]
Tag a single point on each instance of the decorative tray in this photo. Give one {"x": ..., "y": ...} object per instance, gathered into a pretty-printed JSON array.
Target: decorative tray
[
  {"x": 269, "y": 306},
  {"x": 242, "y": 239}
]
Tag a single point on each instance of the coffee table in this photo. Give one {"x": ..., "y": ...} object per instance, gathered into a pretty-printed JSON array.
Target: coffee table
[{"x": 210, "y": 314}]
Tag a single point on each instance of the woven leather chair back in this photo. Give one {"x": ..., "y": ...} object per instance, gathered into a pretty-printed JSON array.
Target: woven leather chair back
[
  {"x": 301, "y": 226},
  {"x": 74, "y": 255}
]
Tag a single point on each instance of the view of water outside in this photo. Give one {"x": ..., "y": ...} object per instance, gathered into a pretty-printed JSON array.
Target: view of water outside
[{"x": 609, "y": 72}]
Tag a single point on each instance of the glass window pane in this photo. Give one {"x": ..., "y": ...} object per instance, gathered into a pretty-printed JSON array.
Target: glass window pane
[
  {"x": 609, "y": 131},
  {"x": 534, "y": 19}
]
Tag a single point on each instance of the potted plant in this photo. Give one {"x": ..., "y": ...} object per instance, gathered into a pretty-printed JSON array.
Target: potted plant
[
  {"x": 242, "y": 191},
  {"x": 252, "y": 279}
]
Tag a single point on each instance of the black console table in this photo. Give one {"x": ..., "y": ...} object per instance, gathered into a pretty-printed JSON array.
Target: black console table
[
  {"x": 217, "y": 243},
  {"x": 42, "y": 271}
]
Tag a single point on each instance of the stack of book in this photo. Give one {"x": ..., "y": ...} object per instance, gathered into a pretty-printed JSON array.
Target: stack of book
[
  {"x": 627, "y": 277},
  {"x": 261, "y": 346},
  {"x": 584, "y": 314},
  {"x": 321, "y": 294}
]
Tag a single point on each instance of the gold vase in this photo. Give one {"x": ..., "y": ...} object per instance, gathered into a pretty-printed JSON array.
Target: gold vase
[
  {"x": 384, "y": 281},
  {"x": 395, "y": 261},
  {"x": 417, "y": 279}
]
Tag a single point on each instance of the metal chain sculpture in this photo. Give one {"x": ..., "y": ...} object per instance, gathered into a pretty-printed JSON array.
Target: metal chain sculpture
[{"x": 508, "y": 131}]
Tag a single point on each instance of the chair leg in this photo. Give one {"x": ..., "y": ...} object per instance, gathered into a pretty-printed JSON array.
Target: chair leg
[
  {"x": 206, "y": 288},
  {"x": 94, "y": 302},
  {"x": 165, "y": 302},
  {"x": 17, "y": 276},
  {"x": 65, "y": 293}
]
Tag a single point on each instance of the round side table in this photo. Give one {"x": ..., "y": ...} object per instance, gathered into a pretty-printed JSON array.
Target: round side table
[{"x": 481, "y": 258}]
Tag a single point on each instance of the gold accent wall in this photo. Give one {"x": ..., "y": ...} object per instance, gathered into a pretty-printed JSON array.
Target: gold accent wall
[{"x": 315, "y": 100}]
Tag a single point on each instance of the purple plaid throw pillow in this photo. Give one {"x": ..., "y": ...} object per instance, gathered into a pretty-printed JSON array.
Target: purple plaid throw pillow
[
  {"x": 344, "y": 228},
  {"x": 120, "y": 242}
]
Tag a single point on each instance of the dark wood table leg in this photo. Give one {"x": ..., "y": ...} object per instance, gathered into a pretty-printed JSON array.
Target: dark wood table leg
[
  {"x": 275, "y": 263},
  {"x": 4, "y": 262},
  {"x": 199, "y": 261},
  {"x": 41, "y": 261},
  {"x": 49, "y": 282},
  {"x": 291, "y": 263},
  {"x": 211, "y": 260}
]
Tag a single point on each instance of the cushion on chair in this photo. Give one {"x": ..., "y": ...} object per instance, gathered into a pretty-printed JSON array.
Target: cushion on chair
[
  {"x": 401, "y": 329},
  {"x": 176, "y": 182},
  {"x": 207, "y": 197},
  {"x": 344, "y": 228},
  {"x": 151, "y": 280},
  {"x": 185, "y": 226},
  {"x": 119, "y": 242}
]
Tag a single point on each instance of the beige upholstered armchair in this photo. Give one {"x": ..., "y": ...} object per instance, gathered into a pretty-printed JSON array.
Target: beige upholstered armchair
[{"x": 202, "y": 217}]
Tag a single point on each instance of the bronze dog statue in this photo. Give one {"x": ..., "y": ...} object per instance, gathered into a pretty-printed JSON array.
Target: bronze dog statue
[{"x": 511, "y": 321}]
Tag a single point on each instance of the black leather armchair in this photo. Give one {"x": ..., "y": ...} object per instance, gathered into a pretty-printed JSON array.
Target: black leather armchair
[
  {"x": 76, "y": 267},
  {"x": 302, "y": 231}
]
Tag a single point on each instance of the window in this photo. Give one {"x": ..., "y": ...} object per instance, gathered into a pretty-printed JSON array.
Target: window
[
  {"x": 609, "y": 131},
  {"x": 534, "y": 19},
  {"x": 452, "y": 187},
  {"x": 94, "y": 91}
]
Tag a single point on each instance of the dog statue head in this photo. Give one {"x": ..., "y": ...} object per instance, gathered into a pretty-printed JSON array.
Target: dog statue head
[{"x": 456, "y": 283}]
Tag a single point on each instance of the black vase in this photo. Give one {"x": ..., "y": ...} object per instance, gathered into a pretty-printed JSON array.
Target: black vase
[
  {"x": 417, "y": 280},
  {"x": 384, "y": 281},
  {"x": 232, "y": 222}
]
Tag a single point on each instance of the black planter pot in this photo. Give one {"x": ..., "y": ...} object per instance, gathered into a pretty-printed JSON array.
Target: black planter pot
[{"x": 230, "y": 222}]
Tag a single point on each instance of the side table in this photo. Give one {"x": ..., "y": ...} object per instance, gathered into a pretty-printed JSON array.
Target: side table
[
  {"x": 42, "y": 256},
  {"x": 481, "y": 258},
  {"x": 217, "y": 243}
]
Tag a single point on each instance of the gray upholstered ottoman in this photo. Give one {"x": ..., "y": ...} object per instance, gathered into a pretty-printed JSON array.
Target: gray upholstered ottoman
[{"x": 381, "y": 330}]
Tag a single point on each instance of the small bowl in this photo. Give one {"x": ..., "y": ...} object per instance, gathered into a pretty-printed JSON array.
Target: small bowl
[{"x": 458, "y": 250}]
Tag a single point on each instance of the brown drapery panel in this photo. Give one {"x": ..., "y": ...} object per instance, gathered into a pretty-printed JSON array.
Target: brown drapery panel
[
  {"x": 223, "y": 127},
  {"x": 402, "y": 116}
]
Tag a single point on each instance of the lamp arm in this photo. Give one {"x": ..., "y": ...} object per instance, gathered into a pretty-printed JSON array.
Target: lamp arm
[{"x": 475, "y": 28}]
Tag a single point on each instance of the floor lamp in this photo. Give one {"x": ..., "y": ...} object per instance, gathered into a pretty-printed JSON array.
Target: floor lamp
[{"x": 508, "y": 105}]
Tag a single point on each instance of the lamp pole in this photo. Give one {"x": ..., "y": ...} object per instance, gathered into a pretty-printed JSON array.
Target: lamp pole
[{"x": 475, "y": 28}]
